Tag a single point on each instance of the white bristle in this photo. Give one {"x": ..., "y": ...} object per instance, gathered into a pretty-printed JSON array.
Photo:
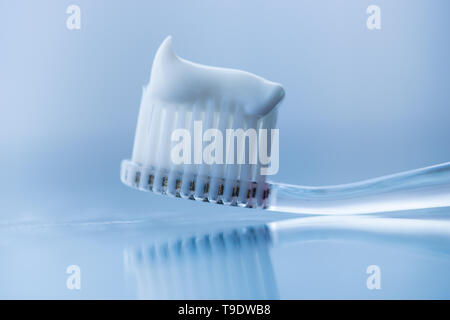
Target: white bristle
[
  {"x": 217, "y": 170},
  {"x": 232, "y": 170},
  {"x": 203, "y": 172},
  {"x": 246, "y": 173},
  {"x": 189, "y": 170},
  {"x": 175, "y": 173},
  {"x": 180, "y": 96}
]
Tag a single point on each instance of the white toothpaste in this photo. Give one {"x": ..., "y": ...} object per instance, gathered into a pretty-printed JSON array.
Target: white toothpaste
[{"x": 176, "y": 80}]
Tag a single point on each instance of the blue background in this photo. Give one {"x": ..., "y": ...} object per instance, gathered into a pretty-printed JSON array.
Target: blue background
[{"x": 359, "y": 103}]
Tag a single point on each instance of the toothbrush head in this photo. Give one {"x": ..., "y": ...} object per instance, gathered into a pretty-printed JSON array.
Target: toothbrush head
[
  {"x": 201, "y": 130},
  {"x": 229, "y": 264}
]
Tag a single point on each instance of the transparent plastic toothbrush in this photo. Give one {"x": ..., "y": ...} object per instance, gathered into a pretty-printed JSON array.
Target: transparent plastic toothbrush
[{"x": 181, "y": 94}]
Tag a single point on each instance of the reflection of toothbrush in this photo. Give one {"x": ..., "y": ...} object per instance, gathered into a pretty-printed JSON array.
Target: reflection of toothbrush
[
  {"x": 181, "y": 93},
  {"x": 237, "y": 263},
  {"x": 234, "y": 264}
]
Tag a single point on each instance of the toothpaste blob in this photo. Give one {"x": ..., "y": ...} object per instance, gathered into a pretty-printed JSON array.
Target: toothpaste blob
[
  {"x": 175, "y": 80},
  {"x": 204, "y": 132}
]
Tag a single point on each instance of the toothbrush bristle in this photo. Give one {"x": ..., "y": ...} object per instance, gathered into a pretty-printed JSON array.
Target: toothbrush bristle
[{"x": 143, "y": 178}]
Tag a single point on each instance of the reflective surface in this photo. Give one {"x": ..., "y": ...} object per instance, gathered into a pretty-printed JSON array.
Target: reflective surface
[{"x": 307, "y": 257}]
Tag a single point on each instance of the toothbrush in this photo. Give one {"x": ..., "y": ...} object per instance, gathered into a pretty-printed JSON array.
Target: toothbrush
[
  {"x": 182, "y": 94},
  {"x": 236, "y": 263}
]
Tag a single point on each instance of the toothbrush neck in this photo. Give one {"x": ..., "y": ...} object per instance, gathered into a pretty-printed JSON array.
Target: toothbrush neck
[{"x": 417, "y": 189}]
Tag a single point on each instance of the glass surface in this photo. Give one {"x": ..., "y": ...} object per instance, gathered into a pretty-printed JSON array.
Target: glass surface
[{"x": 173, "y": 256}]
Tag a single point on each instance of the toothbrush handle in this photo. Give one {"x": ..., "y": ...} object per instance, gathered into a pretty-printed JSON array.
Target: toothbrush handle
[{"x": 417, "y": 189}]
